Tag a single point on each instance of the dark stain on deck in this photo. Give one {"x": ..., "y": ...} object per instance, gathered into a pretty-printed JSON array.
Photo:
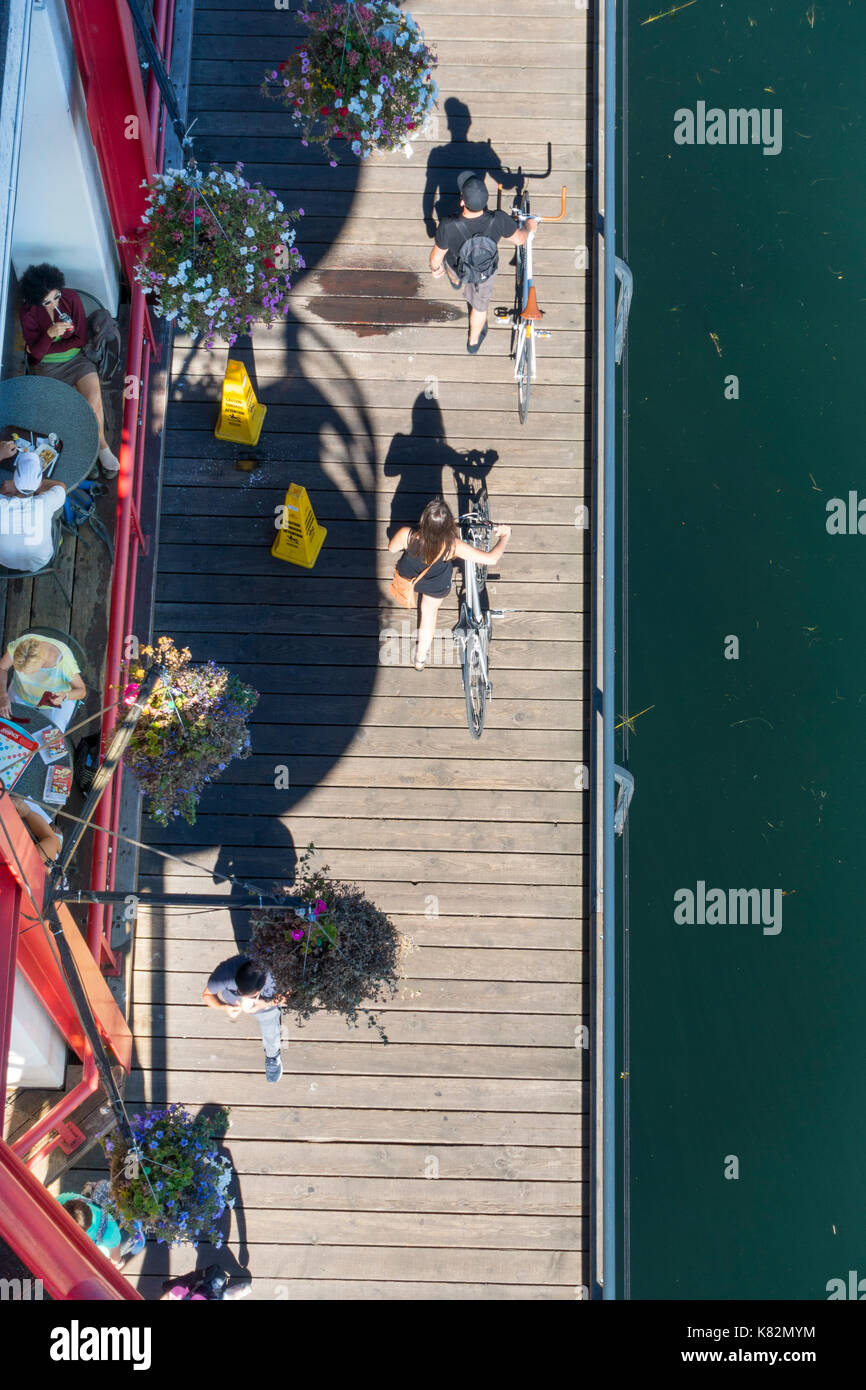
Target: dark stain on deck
[{"x": 373, "y": 302}]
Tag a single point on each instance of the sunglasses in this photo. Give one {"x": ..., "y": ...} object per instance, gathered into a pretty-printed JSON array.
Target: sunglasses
[{"x": 53, "y": 298}]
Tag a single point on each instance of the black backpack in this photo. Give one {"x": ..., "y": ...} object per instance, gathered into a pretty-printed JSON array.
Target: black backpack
[{"x": 478, "y": 258}]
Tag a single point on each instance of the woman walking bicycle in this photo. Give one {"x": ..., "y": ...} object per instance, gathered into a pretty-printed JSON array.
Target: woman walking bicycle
[{"x": 429, "y": 551}]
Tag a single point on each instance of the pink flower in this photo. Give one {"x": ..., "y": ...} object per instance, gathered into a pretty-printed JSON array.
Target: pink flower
[
  {"x": 298, "y": 934},
  {"x": 319, "y": 907},
  {"x": 130, "y": 693}
]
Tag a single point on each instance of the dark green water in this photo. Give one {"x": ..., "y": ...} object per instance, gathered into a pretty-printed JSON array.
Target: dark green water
[{"x": 749, "y": 772}]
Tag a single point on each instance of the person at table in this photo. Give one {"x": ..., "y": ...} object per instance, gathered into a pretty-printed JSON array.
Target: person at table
[
  {"x": 55, "y": 331},
  {"x": 41, "y": 826},
  {"x": 44, "y": 674},
  {"x": 28, "y": 505}
]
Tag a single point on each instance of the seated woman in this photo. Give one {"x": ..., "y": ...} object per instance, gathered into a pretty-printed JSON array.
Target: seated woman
[
  {"x": 98, "y": 1223},
  {"x": 44, "y": 674},
  {"x": 55, "y": 330},
  {"x": 48, "y": 839}
]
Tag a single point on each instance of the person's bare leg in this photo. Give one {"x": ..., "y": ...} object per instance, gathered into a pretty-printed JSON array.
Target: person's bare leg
[
  {"x": 427, "y": 626},
  {"x": 477, "y": 320},
  {"x": 90, "y": 389}
]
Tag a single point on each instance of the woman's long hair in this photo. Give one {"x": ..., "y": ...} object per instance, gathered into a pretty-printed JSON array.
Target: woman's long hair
[{"x": 437, "y": 530}]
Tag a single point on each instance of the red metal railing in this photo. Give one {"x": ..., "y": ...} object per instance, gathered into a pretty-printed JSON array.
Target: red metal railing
[{"x": 129, "y": 542}]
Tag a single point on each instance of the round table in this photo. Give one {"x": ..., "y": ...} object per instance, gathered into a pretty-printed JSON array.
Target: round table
[
  {"x": 43, "y": 404},
  {"x": 31, "y": 783}
]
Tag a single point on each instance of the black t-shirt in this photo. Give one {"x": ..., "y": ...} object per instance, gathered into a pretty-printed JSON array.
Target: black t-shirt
[{"x": 451, "y": 232}]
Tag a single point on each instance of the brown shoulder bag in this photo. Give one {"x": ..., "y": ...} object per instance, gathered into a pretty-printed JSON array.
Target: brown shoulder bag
[{"x": 403, "y": 590}]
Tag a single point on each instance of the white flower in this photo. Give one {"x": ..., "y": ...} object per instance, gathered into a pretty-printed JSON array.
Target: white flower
[
  {"x": 280, "y": 207},
  {"x": 249, "y": 268},
  {"x": 249, "y": 231}
]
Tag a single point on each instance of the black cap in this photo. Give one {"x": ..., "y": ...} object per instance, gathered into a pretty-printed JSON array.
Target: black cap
[{"x": 473, "y": 190}]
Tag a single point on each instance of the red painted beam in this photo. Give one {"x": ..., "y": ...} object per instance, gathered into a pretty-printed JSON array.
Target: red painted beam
[
  {"x": 50, "y": 1244},
  {"x": 37, "y": 953},
  {"x": 117, "y": 114},
  {"x": 35, "y": 957}
]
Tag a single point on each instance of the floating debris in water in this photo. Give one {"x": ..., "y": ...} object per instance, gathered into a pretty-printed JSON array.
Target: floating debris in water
[
  {"x": 628, "y": 719},
  {"x": 664, "y": 14},
  {"x": 815, "y": 486},
  {"x": 810, "y": 20},
  {"x": 715, "y": 338}
]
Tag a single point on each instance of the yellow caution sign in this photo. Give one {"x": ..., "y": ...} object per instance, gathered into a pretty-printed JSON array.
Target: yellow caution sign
[
  {"x": 241, "y": 417},
  {"x": 300, "y": 535}
]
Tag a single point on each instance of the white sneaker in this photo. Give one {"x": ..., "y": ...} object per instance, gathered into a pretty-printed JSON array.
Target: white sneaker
[{"x": 109, "y": 464}]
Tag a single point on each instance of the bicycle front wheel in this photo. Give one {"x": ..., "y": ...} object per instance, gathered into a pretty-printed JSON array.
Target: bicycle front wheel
[
  {"x": 474, "y": 685},
  {"x": 524, "y": 374},
  {"x": 480, "y": 537}
]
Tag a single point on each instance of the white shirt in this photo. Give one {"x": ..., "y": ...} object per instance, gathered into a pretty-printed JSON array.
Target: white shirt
[{"x": 25, "y": 529}]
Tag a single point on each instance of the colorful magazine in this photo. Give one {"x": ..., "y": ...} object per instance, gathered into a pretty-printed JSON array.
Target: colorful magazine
[
  {"x": 16, "y": 750},
  {"x": 58, "y": 784}
]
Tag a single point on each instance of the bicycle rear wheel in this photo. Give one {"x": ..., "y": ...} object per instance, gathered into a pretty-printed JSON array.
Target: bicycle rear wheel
[
  {"x": 474, "y": 684},
  {"x": 524, "y": 375}
]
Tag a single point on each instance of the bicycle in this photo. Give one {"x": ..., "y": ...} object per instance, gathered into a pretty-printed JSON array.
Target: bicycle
[
  {"x": 526, "y": 314},
  {"x": 473, "y": 629}
]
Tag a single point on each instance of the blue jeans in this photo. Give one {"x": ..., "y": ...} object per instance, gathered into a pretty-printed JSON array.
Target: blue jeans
[{"x": 269, "y": 1022}]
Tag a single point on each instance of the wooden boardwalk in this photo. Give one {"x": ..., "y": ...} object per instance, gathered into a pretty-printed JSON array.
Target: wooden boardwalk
[{"x": 452, "y": 1163}]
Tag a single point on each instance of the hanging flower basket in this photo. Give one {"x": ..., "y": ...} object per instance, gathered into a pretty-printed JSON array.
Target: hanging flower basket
[
  {"x": 219, "y": 252},
  {"x": 336, "y": 955},
  {"x": 189, "y": 731},
  {"x": 364, "y": 76},
  {"x": 173, "y": 1180}
]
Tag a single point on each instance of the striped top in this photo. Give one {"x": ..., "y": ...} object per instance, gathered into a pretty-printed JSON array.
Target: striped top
[{"x": 29, "y": 687}]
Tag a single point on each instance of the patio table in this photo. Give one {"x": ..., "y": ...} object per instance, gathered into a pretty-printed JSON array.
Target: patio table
[
  {"x": 31, "y": 783},
  {"x": 43, "y": 404}
]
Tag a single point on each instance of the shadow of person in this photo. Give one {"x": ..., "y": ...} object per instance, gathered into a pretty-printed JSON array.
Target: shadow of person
[
  {"x": 445, "y": 162},
  {"x": 426, "y": 465},
  {"x": 233, "y": 862}
]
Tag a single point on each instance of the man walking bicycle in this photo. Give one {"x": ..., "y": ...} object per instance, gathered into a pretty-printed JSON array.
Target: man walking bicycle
[{"x": 465, "y": 250}]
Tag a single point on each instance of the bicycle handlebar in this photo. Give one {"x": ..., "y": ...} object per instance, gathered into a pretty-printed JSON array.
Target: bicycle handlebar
[
  {"x": 561, "y": 214},
  {"x": 533, "y": 216}
]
